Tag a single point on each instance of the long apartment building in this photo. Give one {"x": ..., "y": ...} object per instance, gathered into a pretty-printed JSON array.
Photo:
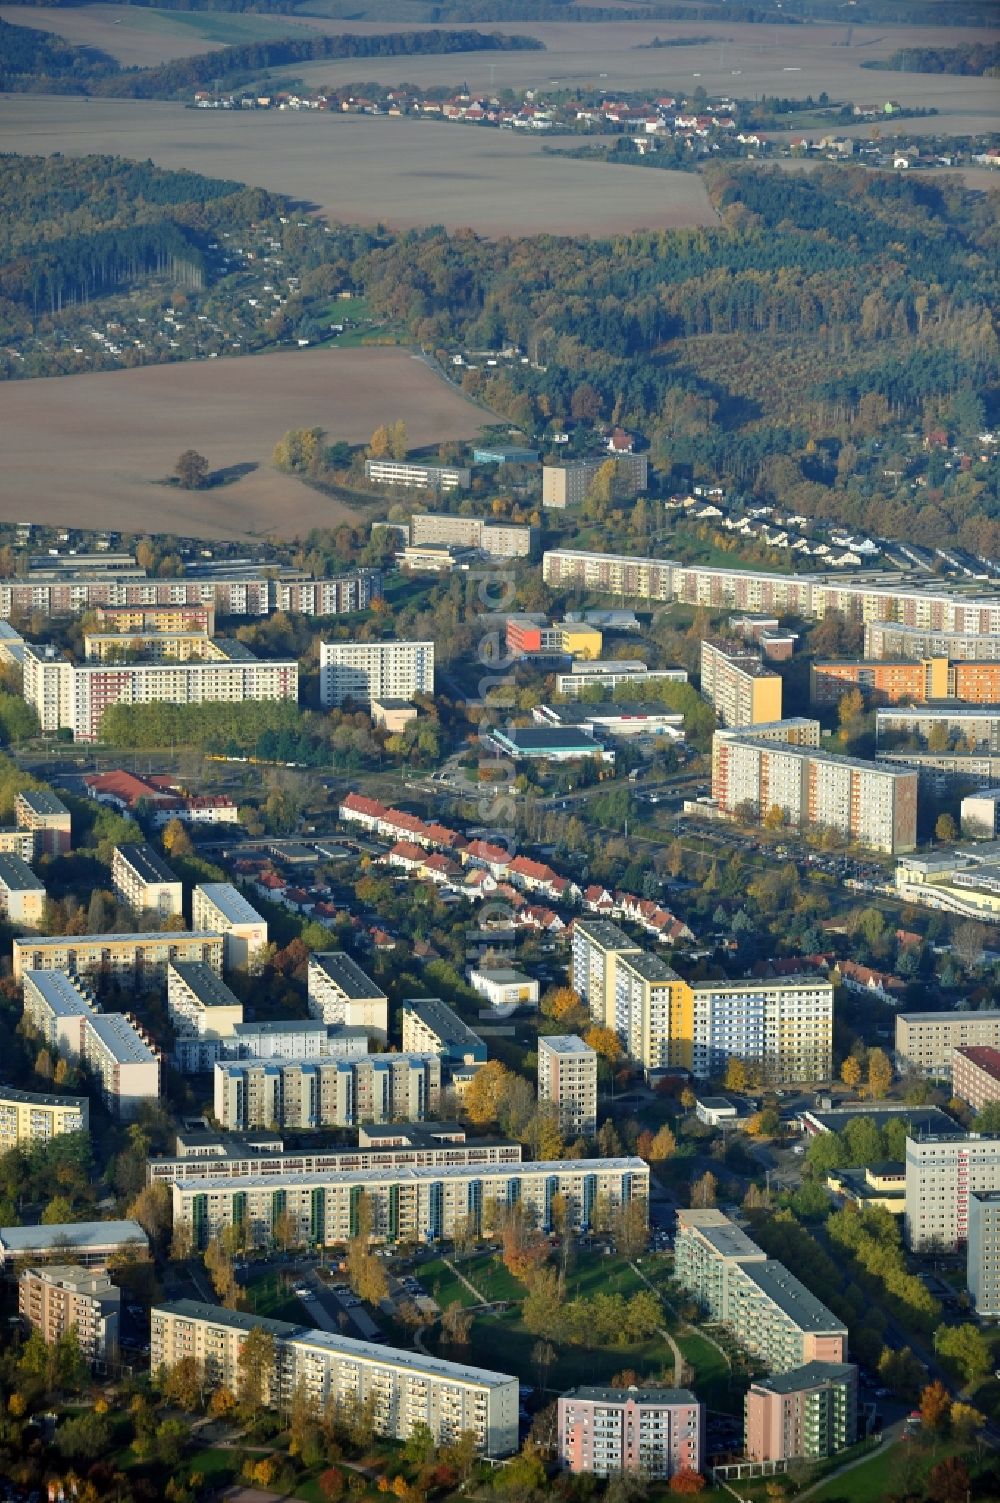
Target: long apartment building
[
  {"x": 71, "y": 595},
  {"x": 567, "y": 1077},
  {"x": 431, "y": 1025},
  {"x": 768, "y": 1311},
  {"x": 906, "y": 681},
  {"x": 970, "y": 730},
  {"x": 48, "y": 820},
  {"x": 942, "y": 1172},
  {"x": 397, "y": 1145},
  {"x": 864, "y": 597},
  {"x": 124, "y": 1066},
  {"x": 738, "y": 684},
  {"x": 340, "y": 596},
  {"x": 975, "y": 1075},
  {"x": 74, "y": 697},
  {"x": 983, "y": 1252},
  {"x": 339, "y": 992},
  {"x": 22, "y": 894},
  {"x": 59, "y": 1298},
  {"x": 864, "y": 802},
  {"x": 926, "y": 1041},
  {"x": 294, "y": 1038},
  {"x": 497, "y": 539},
  {"x": 167, "y": 620},
  {"x": 131, "y": 961},
  {"x": 405, "y": 1387},
  {"x": 366, "y": 671},
  {"x": 406, "y": 1204},
  {"x": 420, "y": 477},
  {"x": 809, "y": 1413},
  {"x": 887, "y": 639},
  {"x": 222, "y": 909},
  {"x": 144, "y": 882},
  {"x": 331, "y": 1092},
  {"x": 654, "y": 1431},
  {"x": 28, "y": 1117}
]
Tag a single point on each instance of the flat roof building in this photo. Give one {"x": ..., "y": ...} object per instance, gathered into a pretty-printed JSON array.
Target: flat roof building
[
  {"x": 326, "y": 1092},
  {"x": 808, "y": 1413},
  {"x": 59, "y": 1298},
  {"x": 22, "y": 894},
  {"x": 596, "y": 948},
  {"x": 131, "y": 961},
  {"x": 983, "y": 1253},
  {"x": 405, "y": 1387},
  {"x": 926, "y": 1041},
  {"x": 366, "y": 671},
  {"x": 734, "y": 680},
  {"x": 654, "y": 1431},
  {"x": 28, "y": 1117},
  {"x": 567, "y": 1077},
  {"x": 340, "y": 992},
  {"x": 126, "y": 1069},
  {"x": 90, "y": 1243},
  {"x": 222, "y": 908},
  {"x": 144, "y": 882},
  {"x": 504, "y": 987},
  {"x": 942, "y": 1172},
  {"x": 46, "y": 816},
  {"x": 429, "y": 1024},
  {"x": 975, "y": 1075},
  {"x": 548, "y": 744}
]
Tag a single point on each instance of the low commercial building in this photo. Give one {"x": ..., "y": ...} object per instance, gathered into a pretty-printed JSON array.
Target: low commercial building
[
  {"x": 655, "y": 1431},
  {"x": 504, "y": 987},
  {"x": 429, "y": 1024},
  {"x": 131, "y": 961},
  {"x": 766, "y": 1309},
  {"x": 406, "y": 1204},
  {"x": 22, "y": 895},
  {"x": 621, "y": 721},
  {"x": 567, "y": 1077},
  {"x": 983, "y": 1255},
  {"x": 527, "y": 637},
  {"x": 64, "y": 1297},
  {"x": 405, "y": 1387},
  {"x": 942, "y": 1172},
  {"x": 393, "y": 715},
  {"x": 548, "y": 744},
  {"x": 122, "y": 1063},
  {"x": 48, "y": 819},
  {"x": 864, "y": 802},
  {"x": 963, "y": 881},
  {"x": 926, "y": 1041},
  {"x": 144, "y": 882},
  {"x": 28, "y": 1117},
  {"x": 326, "y": 1092},
  {"x": 221, "y": 908},
  {"x": 736, "y": 683},
  {"x": 422, "y": 477},
  {"x": 808, "y": 1413},
  {"x": 607, "y": 673},
  {"x": 340, "y": 992},
  {"x": 92, "y": 1244},
  {"x": 396, "y": 1145},
  {"x": 716, "y": 1111},
  {"x": 975, "y": 1075}
]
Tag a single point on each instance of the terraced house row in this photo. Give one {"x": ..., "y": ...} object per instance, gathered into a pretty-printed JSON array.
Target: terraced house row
[
  {"x": 868, "y": 597},
  {"x": 783, "y": 1026},
  {"x": 407, "y": 1204},
  {"x": 405, "y": 1388}
]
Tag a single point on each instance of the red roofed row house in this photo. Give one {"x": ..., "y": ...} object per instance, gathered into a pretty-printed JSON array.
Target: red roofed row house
[
  {"x": 123, "y": 790},
  {"x": 642, "y": 911},
  {"x": 396, "y": 824}
]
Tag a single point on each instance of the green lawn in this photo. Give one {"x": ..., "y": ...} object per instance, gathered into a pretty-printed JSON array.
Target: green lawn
[
  {"x": 216, "y": 1466},
  {"x": 713, "y": 1381},
  {"x": 886, "y": 1472},
  {"x": 269, "y": 1296}
]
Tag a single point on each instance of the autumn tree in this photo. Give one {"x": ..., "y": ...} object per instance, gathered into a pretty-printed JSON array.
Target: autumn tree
[
  {"x": 397, "y": 439},
  {"x": 945, "y": 828},
  {"x": 380, "y": 445},
  {"x": 255, "y": 1364},
  {"x": 935, "y": 1406},
  {"x": 560, "y": 1002},
  {"x": 485, "y": 1092},
  {"x": 879, "y": 1074},
  {"x": 184, "y": 1384},
  {"x": 630, "y": 1228},
  {"x": 191, "y": 470},
  {"x": 176, "y": 840},
  {"x": 604, "y": 1041},
  {"x": 964, "y": 1348},
  {"x": 687, "y": 1483},
  {"x": 703, "y": 1191},
  {"x": 736, "y": 1075},
  {"x": 850, "y": 1072}
]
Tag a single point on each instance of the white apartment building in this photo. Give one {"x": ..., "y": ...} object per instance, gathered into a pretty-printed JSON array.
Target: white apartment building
[
  {"x": 865, "y": 802},
  {"x": 204, "y": 1013},
  {"x": 421, "y": 477},
  {"x": 783, "y": 1025},
  {"x": 221, "y": 908},
  {"x": 326, "y": 1092},
  {"x": 294, "y": 1038},
  {"x": 126, "y": 960},
  {"x": 56, "y": 1008},
  {"x": 143, "y": 881},
  {"x": 888, "y": 639},
  {"x": 125, "y": 1067},
  {"x": 406, "y": 1387},
  {"x": 983, "y": 1257},
  {"x": 597, "y": 946},
  {"x": 567, "y": 1076},
  {"x": 406, "y": 1204},
  {"x": 363, "y": 671},
  {"x": 926, "y": 1041},
  {"x": 498, "y": 539},
  {"x": 339, "y": 992},
  {"x": 942, "y": 1171},
  {"x": 651, "y": 1011},
  {"x": 22, "y": 895},
  {"x": 28, "y": 1117},
  {"x": 58, "y": 1298},
  {"x": 74, "y": 697}
]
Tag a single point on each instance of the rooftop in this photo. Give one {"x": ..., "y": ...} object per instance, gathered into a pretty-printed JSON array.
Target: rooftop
[
  {"x": 41, "y": 801},
  {"x": 657, "y": 1396},
  {"x": 345, "y": 974},
  {"x": 991, "y": 1016},
  {"x": 412, "y": 1174},
  {"x": 547, "y": 738},
  {"x": 120, "y": 1038},
  {"x": 147, "y": 863},
  {"x": 240, "y": 1320},
  {"x": 650, "y": 967},
  {"x": 209, "y": 989},
  {"x": 605, "y": 935},
  {"x": 95, "y": 1234},
  {"x": 231, "y": 904},
  {"x": 791, "y": 1297},
  {"x": 983, "y": 1056},
  {"x": 564, "y": 1044},
  {"x": 39, "y": 1098},
  {"x": 927, "y": 1120},
  {"x": 810, "y": 1375},
  {"x": 441, "y": 1020},
  {"x": 99, "y": 941},
  {"x": 60, "y": 993},
  {"x": 16, "y": 875}
]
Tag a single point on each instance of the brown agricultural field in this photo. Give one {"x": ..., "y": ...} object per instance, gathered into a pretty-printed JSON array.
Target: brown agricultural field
[
  {"x": 88, "y": 451},
  {"x": 391, "y": 171}
]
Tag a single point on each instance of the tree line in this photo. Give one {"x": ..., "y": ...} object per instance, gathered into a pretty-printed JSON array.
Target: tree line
[{"x": 974, "y": 60}]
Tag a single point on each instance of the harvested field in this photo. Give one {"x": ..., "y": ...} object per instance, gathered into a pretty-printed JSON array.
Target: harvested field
[
  {"x": 139, "y": 37},
  {"x": 87, "y": 451},
  {"x": 352, "y": 167}
]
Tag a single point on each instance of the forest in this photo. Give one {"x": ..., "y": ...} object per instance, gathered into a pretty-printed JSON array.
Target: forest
[
  {"x": 39, "y": 64},
  {"x": 974, "y": 60}
]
